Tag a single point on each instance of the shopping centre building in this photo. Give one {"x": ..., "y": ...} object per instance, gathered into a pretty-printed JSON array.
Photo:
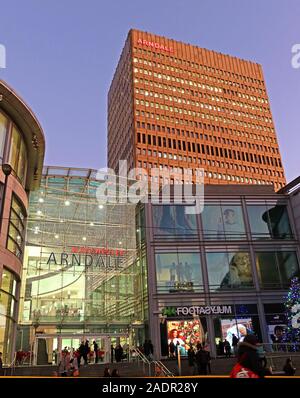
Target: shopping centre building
[
  {"x": 122, "y": 272},
  {"x": 223, "y": 271},
  {"x": 74, "y": 268},
  {"x": 84, "y": 276}
]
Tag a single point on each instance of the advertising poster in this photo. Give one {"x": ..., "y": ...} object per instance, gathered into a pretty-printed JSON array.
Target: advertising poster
[
  {"x": 240, "y": 327},
  {"x": 276, "y": 327},
  {"x": 186, "y": 333}
]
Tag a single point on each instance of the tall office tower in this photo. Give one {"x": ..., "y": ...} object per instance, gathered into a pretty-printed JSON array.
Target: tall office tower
[{"x": 175, "y": 106}]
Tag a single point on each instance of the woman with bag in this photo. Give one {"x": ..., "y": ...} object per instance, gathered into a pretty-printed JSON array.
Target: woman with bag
[{"x": 248, "y": 364}]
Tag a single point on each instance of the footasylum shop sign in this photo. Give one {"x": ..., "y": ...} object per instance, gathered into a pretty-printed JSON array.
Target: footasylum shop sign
[{"x": 198, "y": 310}]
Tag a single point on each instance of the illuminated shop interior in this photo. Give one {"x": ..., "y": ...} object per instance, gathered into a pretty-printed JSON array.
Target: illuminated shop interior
[{"x": 84, "y": 273}]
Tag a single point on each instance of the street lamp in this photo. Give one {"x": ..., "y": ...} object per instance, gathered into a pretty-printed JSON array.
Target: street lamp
[{"x": 7, "y": 169}]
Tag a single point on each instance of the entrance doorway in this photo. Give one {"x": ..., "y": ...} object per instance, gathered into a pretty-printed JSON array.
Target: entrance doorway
[{"x": 47, "y": 348}]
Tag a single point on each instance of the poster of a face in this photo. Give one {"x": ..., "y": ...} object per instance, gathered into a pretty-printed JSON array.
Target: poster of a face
[
  {"x": 276, "y": 333},
  {"x": 173, "y": 220},
  {"x": 223, "y": 221},
  {"x": 229, "y": 270},
  {"x": 178, "y": 271},
  {"x": 186, "y": 333},
  {"x": 240, "y": 327}
]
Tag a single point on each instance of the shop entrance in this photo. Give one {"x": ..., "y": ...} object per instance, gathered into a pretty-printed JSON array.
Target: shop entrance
[{"x": 47, "y": 348}]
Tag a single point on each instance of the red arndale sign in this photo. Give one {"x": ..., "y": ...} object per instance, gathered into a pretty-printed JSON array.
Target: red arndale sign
[
  {"x": 98, "y": 250},
  {"x": 155, "y": 45}
]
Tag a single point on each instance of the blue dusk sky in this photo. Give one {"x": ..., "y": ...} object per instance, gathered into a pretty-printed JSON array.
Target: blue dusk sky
[{"x": 61, "y": 56}]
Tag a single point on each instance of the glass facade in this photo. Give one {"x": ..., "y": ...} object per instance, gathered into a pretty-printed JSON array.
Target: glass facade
[
  {"x": 172, "y": 221},
  {"x": 16, "y": 231},
  {"x": 178, "y": 272},
  {"x": 18, "y": 155},
  {"x": 82, "y": 268},
  {"x": 229, "y": 270},
  {"x": 216, "y": 268},
  {"x": 269, "y": 222},
  {"x": 276, "y": 268},
  {"x": 223, "y": 222},
  {"x": 7, "y": 312}
]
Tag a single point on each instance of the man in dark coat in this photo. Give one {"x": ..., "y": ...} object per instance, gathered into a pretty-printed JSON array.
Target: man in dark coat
[{"x": 202, "y": 360}]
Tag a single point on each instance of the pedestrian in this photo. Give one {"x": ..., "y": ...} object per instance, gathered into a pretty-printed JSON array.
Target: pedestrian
[
  {"x": 227, "y": 349},
  {"x": 207, "y": 348},
  {"x": 151, "y": 349},
  {"x": 86, "y": 352},
  {"x": 95, "y": 351},
  {"x": 192, "y": 359},
  {"x": 172, "y": 349},
  {"x": 64, "y": 364},
  {"x": 235, "y": 342},
  {"x": 221, "y": 348},
  {"x": 248, "y": 364},
  {"x": 106, "y": 372},
  {"x": 202, "y": 359},
  {"x": 112, "y": 349},
  {"x": 288, "y": 368},
  {"x": 81, "y": 351},
  {"x": 115, "y": 373},
  {"x": 1, "y": 365},
  {"x": 146, "y": 348},
  {"x": 74, "y": 369},
  {"x": 118, "y": 353}
]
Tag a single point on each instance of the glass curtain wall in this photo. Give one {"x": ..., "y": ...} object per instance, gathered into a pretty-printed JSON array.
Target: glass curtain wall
[{"x": 81, "y": 269}]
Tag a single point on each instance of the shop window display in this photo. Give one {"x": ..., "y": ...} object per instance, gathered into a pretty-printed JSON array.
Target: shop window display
[
  {"x": 229, "y": 270},
  {"x": 223, "y": 222},
  {"x": 186, "y": 333},
  {"x": 178, "y": 272},
  {"x": 173, "y": 221},
  {"x": 269, "y": 222}
]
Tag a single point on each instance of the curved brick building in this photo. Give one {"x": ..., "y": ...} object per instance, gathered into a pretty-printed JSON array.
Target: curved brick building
[{"x": 22, "y": 147}]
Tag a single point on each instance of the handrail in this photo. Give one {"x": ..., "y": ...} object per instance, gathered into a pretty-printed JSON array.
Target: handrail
[
  {"x": 143, "y": 358},
  {"x": 11, "y": 366},
  {"x": 282, "y": 347},
  {"x": 157, "y": 364},
  {"x": 166, "y": 372}
]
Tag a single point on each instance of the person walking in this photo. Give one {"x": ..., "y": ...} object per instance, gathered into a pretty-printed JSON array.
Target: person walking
[
  {"x": 86, "y": 352},
  {"x": 235, "y": 342},
  {"x": 288, "y": 368},
  {"x": 146, "y": 348},
  {"x": 192, "y": 360},
  {"x": 227, "y": 347},
  {"x": 202, "y": 359},
  {"x": 81, "y": 353},
  {"x": 112, "y": 351},
  {"x": 96, "y": 351},
  {"x": 151, "y": 349},
  {"x": 172, "y": 349},
  {"x": 64, "y": 364}
]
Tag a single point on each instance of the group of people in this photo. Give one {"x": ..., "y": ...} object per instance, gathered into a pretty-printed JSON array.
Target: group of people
[
  {"x": 70, "y": 361},
  {"x": 225, "y": 348},
  {"x": 199, "y": 360},
  {"x": 118, "y": 353}
]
